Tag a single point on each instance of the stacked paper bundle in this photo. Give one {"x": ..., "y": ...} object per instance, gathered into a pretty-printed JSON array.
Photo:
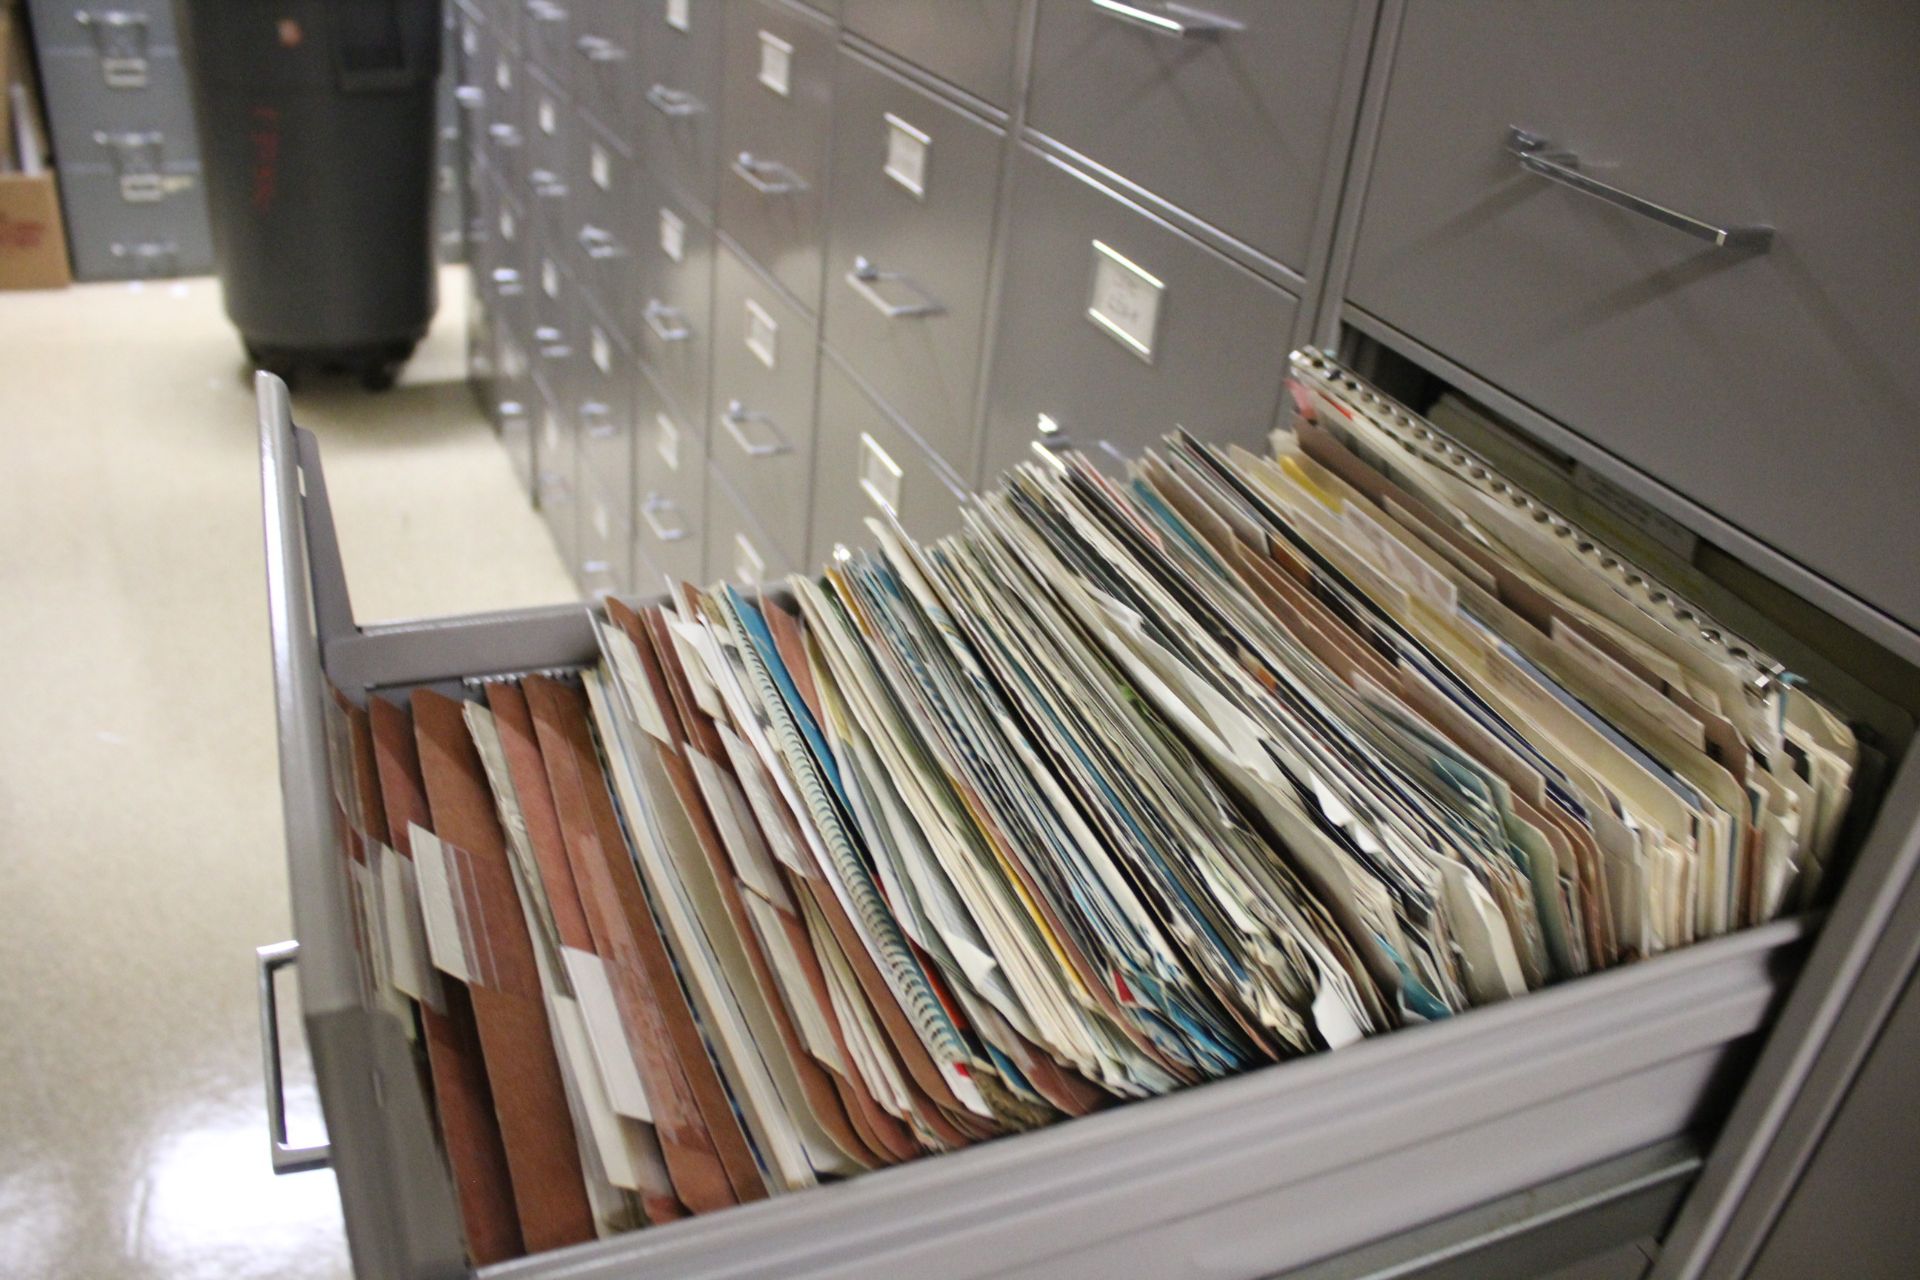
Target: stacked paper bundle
[{"x": 1131, "y": 785}]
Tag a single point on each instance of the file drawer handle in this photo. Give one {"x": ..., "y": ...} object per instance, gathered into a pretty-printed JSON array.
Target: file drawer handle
[
  {"x": 753, "y": 172},
  {"x": 650, "y": 512},
  {"x": 865, "y": 276},
  {"x": 547, "y": 184},
  {"x": 120, "y": 38},
  {"x": 546, "y": 11},
  {"x": 735, "y": 420},
  {"x": 1537, "y": 156},
  {"x": 600, "y": 49},
  {"x": 672, "y": 102},
  {"x": 503, "y": 133},
  {"x": 600, "y": 243},
  {"x": 1174, "y": 20},
  {"x": 666, "y": 322},
  {"x": 470, "y": 96},
  {"x": 287, "y": 1158},
  {"x": 598, "y": 420}
]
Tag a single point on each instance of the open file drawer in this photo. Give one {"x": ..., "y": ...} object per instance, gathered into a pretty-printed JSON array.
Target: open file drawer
[{"x": 1564, "y": 1091}]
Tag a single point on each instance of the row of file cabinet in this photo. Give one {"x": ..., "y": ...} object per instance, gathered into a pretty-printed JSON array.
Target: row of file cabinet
[
  {"x": 120, "y": 112},
  {"x": 1010, "y": 222}
]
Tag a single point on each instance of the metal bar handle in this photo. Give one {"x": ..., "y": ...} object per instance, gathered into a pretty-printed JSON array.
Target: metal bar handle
[
  {"x": 470, "y": 96},
  {"x": 546, "y": 11},
  {"x": 1537, "y": 157},
  {"x": 287, "y": 1158},
  {"x": 750, "y": 170},
  {"x": 735, "y": 418},
  {"x": 1175, "y": 21},
  {"x": 600, "y": 49},
  {"x": 865, "y": 276},
  {"x": 672, "y": 102},
  {"x": 600, "y": 243},
  {"x": 598, "y": 420},
  {"x": 665, "y": 321},
  {"x": 649, "y": 512}
]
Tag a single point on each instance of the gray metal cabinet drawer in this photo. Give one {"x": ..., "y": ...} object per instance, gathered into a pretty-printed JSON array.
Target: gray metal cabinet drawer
[
  {"x": 914, "y": 184},
  {"x": 669, "y": 492},
  {"x": 556, "y": 459},
  {"x": 761, "y": 435},
  {"x": 776, "y": 130},
  {"x": 82, "y": 109},
  {"x": 120, "y": 37},
  {"x": 1115, "y": 327},
  {"x": 602, "y": 400},
  {"x": 604, "y": 562},
  {"x": 1233, "y": 124},
  {"x": 514, "y": 392},
  {"x": 547, "y": 128},
  {"x": 968, "y": 43},
  {"x": 601, "y": 188},
  {"x": 604, "y": 65},
  {"x": 865, "y": 465},
  {"x": 673, "y": 326},
  {"x": 679, "y": 73},
  {"x": 738, "y": 551},
  {"x": 504, "y": 18},
  {"x": 503, "y": 106},
  {"x": 113, "y": 238},
  {"x": 1777, "y": 387},
  {"x": 547, "y": 28}
]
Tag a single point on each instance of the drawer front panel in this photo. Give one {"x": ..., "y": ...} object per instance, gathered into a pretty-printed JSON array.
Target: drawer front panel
[
  {"x": 679, "y": 113},
  {"x": 865, "y": 466},
  {"x": 1771, "y": 385},
  {"x": 604, "y": 66},
  {"x": 1235, "y": 125},
  {"x": 514, "y": 394},
  {"x": 673, "y": 322},
  {"x": 777, "y": 126},
  {"x": 87, "y": 117},
  {"x": 670, "y": 492},
  {"x": 547, "y": 28},
  {"x": 556, "y": 459},
  {"x": 761, "y": 433},
  {"x": 1116, "y": 328},
  {"x": 549, "y": 122},
  {"x": 113, "y": 238},
  {"x": 914, "y": 183},
  {"x": 604, "y": 565},
  {"x": 737, "y": 550},
  {"x": 967, "y": 43},
  {"x": 503, "y": 87},
  {"x": 602, "y": 185},
  {"x": 120, "y": 35},
  {"x": 603, "y": 407}
]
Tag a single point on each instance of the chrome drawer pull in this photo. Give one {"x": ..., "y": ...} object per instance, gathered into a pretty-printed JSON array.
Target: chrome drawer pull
[
  {"x": 504, "y": 134},
  {"x": 287, "y": 1158},
  {"x": 600, "y": 244},
  {"x": 865, "y": 276},
  {"x": 546, "y": 11},
  {"x": 650, "y": 512},
  {"x": 672, "y": 102},
  {"x": 547, "y": 184},
  {"x": 665, "y": 321},
  {"x": 782, "y": 181},
  {"x": 600, "y": 49},
  {"x": 470, "y": 96},
  {"x": 598, "y": 420},
  {"x": 1537, "y": 158},
  {"x": 735, "y": 418},
  {"x": 1175, "y": 20}
]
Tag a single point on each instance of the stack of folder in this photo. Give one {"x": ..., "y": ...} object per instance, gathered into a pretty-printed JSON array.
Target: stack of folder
[{"x": 1132, "y": 784}]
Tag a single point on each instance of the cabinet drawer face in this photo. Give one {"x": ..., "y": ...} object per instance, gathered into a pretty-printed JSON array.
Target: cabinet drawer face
[
  {"x": 777, "y": 125},
  {"x": 503, "y": 20},
  {"x": 679, "y": 77},
  {"x": 113, "y": 238},
  {"x": 914, "y": 183},
  {"x": 555, "y": 463},
  {"x": 1233, "y": 125},
  {"x": 1115, "y": 328},
  {"x": 1776, "y": 386},
  {"x": 503, "y": 98},
  {"x": 601, "y": 187},
  {"x": 603, "y": 407},
  {"x": 864, "y": 466},
  {"x": 547, "y": 124},
  {"x": 119, "y": 34},
  {"x": 669, "y": 493},
  {"x": 547, "y": 28},
  {"x": 737, "y": 550},
  {"x": 514, "y": 394},
  {"x": 673, "y": 298},
  {"x": 92, "y": 122},
  {"x": 603, "y": 564},
  {"x": 761, "y": 430},
  {"x": 604, "y": 65},
  {"x": 967, "y": 43}
]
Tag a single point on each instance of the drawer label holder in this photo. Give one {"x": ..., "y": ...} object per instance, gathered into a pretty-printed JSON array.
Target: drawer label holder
[{"x": 1125, "y": 302}]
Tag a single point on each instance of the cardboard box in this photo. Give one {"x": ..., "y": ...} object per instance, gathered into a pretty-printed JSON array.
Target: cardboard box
[{"x": 33, "y": 243}]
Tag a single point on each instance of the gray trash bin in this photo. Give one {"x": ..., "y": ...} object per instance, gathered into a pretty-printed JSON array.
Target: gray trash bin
[{"x": 317, "y": 123}]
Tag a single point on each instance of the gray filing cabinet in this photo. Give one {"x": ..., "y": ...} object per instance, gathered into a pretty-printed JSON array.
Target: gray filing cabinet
[
  {"x": 121, "y": 117},
  {"x": 849, "y": 257}
]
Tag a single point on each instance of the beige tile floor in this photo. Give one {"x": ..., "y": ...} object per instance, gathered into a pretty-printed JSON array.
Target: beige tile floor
[{"x": 140, "y": 842}]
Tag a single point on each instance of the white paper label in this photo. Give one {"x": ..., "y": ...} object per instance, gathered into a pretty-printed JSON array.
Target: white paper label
[
  {"x": 879, "y": 475},
  {"x": 673, "y": 235},
  {"x": 1126, "y": 301},
  {"x": 763, "y": 334},
  {"x": 469, "y": 39},
  {"x": 508, "y": 227},
  {"x": 605, "y": 1033},
  {"x": 749, "y": 568},
  {"x": 549, "y": 117},
  {"x": 549, "y": 278},
  {"x": 776, "y": 63},
  {"x": 907, "y": 155},
  {"x": 503, "y": 73},
  {"x": 602, "y": 523},
  {"x": 677, "y": 16},
  {"x": 668, "y": 443},
  {"x": 602, "y": 349},
  {"x": 600, "y": 165},
  {"x": 550, "y": 422}
]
